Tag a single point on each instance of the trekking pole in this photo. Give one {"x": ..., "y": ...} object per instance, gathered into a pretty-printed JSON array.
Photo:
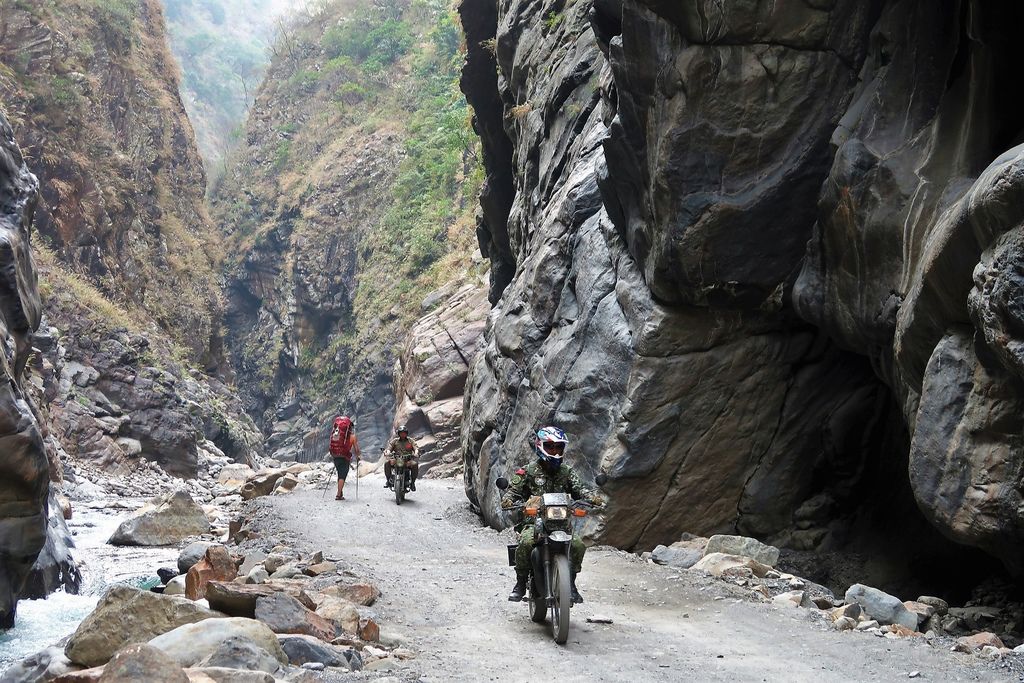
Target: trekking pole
[{"x": 323, "y": 495}]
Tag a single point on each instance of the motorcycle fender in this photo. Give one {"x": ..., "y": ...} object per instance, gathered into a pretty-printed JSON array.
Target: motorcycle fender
[{"x": 559, "y": 537}]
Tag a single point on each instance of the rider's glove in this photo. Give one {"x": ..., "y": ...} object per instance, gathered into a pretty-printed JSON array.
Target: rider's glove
[
  {"x": 506, "y": 504},
  {"x": 597, "y": 500}
]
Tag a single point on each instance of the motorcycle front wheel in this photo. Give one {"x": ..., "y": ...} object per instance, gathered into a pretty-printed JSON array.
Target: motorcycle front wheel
[
  {"x": 538, "y": 601},
  {"x": 561, "y": 590},
  {"x": 400, "y": 486}
]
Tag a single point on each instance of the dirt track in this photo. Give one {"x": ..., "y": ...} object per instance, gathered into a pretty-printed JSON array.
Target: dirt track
[{"x": 445, "y": 580}]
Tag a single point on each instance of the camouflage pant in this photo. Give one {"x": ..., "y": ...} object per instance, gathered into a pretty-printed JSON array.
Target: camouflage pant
[{"x": 576, "y": 552}]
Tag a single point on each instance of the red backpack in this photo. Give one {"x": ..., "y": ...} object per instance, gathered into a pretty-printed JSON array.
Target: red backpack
[{"x": 341, "y": 438}]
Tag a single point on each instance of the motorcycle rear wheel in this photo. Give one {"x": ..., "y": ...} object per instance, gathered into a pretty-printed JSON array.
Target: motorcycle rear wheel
[{"x": 561, "y": 580}]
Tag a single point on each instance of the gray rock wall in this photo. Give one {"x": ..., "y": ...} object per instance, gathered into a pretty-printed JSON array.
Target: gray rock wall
[
  {"x": 740, "y": 232},
  {"x": 24, "y": 472}
]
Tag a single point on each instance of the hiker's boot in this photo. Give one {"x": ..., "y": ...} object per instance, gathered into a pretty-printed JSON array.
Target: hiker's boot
[
  {"x": 576, "y": 597},
  {"x": 519, "y": 590},
  {"x": 387, "y": 483}
]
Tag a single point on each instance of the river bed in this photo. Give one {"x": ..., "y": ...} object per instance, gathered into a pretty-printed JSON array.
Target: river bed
[{"x": 41, "y": 623}]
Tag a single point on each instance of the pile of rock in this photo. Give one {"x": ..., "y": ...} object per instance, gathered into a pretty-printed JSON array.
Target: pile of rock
[
  {"x": 257, "y": 616},
  {"x": 751, "y": 564}
]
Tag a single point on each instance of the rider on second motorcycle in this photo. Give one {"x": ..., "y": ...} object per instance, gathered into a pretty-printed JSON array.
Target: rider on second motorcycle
[{"x": 546, "y": 475}]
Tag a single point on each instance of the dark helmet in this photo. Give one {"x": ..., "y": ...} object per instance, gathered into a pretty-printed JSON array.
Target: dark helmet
[
  {"x": 400, "y": 429},
  {"x": 550, "y": 446}
]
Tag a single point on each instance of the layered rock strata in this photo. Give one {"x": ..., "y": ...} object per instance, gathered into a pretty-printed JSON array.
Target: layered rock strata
[
  {"x": 430, "y": 376},
  {"x": 742, "y": 254}
]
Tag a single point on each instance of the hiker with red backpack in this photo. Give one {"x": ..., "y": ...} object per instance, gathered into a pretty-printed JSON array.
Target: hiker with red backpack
[{"x": 343, "y": 444}]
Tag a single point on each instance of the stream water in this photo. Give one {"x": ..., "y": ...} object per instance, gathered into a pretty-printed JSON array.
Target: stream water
[{"x": 41, "y": 623}]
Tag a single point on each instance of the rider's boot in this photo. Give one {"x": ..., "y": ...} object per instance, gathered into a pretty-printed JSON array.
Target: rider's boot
[
  {"x": 519, "y": 590},
  {"x": 576, "y": 597}
]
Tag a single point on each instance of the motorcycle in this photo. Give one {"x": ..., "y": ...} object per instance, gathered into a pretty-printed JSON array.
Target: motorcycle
[
  {"x": 402, "y": 481},
  {"x": 555, "y": 517}
]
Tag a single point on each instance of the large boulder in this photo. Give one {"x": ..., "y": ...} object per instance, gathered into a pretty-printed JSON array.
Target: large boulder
[
  {"x": 340, "y": 612},
  {"x": 261, "y": 484},
  {"x": 191, "y": 554},
  {"x": 880, "y": 606},
  {"x": 234, "y": 475},
  {"x": 239, "y": 600},
  {"x": 241, "y": 653},
  {"x": 216, "y": 565},
  {"x": 743, "y": 546},
  {"x": 305, "y": 649},
  {"x": 129, "y": 615},
  {"x": 364, "y": 594},
  {"x": 679, "y": 557},
  {"x": 165, "y": 521},
  {"x": 284, "y": 614},
  {"x": 218, "y": 674},
  {"x": 190, "y": 644},
  {"x": 720, "y": 564},
  {"x": 44, "y": 665},
  {"x": 140, "y": 662}
]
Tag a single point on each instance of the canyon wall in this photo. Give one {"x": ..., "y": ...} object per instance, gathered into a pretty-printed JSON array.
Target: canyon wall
[{"x": 759, "y": 261}]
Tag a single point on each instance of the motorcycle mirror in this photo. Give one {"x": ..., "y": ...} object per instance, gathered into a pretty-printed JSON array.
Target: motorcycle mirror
[
  {"x": 601, "y": 479},
  {"x": 502, "y": 483}
]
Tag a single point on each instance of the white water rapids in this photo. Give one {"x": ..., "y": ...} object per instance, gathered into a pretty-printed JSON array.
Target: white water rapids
[{"x": 41, "y": 623}]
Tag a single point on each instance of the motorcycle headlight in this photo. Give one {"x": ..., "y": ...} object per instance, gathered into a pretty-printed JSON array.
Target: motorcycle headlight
[{"x": 556, "y": 513}]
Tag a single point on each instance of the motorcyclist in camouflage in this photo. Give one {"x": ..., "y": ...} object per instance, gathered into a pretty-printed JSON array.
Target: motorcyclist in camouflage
[
  {"x": 546, "y": 475},
  {"x": 401, "y": 444}
]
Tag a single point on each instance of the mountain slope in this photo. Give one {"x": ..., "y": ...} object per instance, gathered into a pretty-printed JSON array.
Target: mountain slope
[
  {"x": 132, "y": 304},
  {"x": 347, "y": 205}
]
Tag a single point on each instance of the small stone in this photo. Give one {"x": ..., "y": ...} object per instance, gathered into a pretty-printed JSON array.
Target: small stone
[
  {"x": 175, "y": 586},
  {"x": 216, "y": 565},
  {"x": 977, "y": 642},
  {"x": 314, "y": 666},
  {"x": 880, "y": 606},
  {"x": 914, "y": 674},
  {"x": 599, "y": 619},
  {"x": 867, "y": 625},
  {"x": 369, "y": 630},
  {"x": 250, "y": 562},
  {"x": 275, "y": 561},
  {"x": 166, "y": 573},
  {"x": 257, "y": 575},
  {"x": 902, "y": 631},
  {"x": 192, "y": 554},
  {"x": 320, "y": 569},
  {"x": 940, "y": 605},
  {"x": 844, "y": 624},
  {"x": 286, "y": 615},
  {"x": 853, "y": 611},
  {"x": 743, "y": 546}
]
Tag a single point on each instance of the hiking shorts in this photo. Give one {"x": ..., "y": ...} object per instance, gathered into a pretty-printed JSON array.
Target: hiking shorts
[{"x": 342, "y": 465}]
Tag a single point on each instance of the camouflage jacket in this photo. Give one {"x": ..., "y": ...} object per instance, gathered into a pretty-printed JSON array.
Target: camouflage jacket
[
  {"x": 406, "y": 446},
  {"x": 534, "y": 480}
]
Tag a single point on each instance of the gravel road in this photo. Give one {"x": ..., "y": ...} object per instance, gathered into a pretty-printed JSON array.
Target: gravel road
[{"x": 445, "y": 579}]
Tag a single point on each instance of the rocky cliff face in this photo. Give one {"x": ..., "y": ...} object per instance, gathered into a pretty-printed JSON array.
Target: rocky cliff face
[
  {"x": 347, "y": 206},
  {"x": 132, "y": 307},
  {"x": 25, "y": 483},
  {"x": 431, "y": 374},
  {"x": 760, "y": 270}
]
